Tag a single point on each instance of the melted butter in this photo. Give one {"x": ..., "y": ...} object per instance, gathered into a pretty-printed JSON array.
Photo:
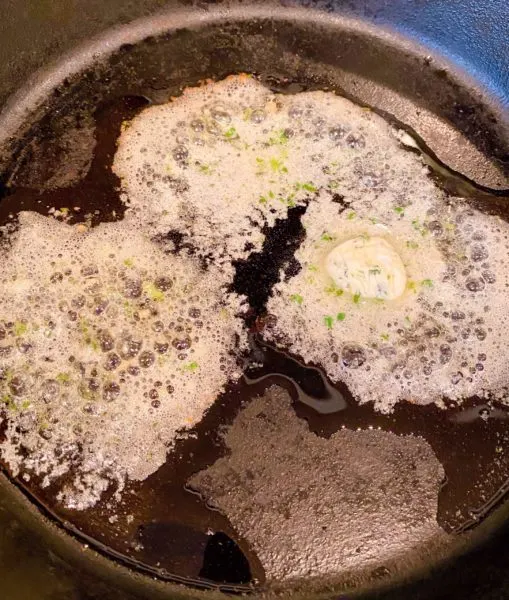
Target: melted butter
[{"x": 367, "y": 266}]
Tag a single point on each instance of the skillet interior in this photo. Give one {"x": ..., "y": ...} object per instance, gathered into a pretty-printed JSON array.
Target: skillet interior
[{"x": 322, "y": 53}]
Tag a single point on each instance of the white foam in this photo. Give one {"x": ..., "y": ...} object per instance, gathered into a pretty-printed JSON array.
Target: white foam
[
  {"x": 239, "y": 156},
  {"x": 110, "y": 346}
]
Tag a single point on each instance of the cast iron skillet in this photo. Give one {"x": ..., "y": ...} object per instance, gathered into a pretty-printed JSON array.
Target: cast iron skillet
[{"x": 437, "y": 68}]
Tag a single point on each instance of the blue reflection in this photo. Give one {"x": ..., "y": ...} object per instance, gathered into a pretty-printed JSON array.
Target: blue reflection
[{"x": 473, "y": 34}]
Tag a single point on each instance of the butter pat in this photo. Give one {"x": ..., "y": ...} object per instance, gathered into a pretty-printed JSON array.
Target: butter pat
[{"x": 368, "y": 266}]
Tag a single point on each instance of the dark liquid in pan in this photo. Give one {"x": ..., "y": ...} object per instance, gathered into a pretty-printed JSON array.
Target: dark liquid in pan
[{"x": 160, "y": 524}]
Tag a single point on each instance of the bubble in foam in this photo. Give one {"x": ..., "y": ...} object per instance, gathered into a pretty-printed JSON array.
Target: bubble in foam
[{"x": 91, "y": 381}]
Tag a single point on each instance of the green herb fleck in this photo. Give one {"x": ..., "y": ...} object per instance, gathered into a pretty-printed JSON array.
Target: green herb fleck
[
  {"x": 427, "y": 283},
  {"x": 312, "y": 267},
  {"x": 329, "y": 321},
  {"x": 128, "y": 262},
  {"x": 334, "y": 290},
  {"x": 351, "y": 216},
  {"x": 8, "y": 400},
  {"x": 309, "y": 187},
  {"x": 374, "y": 220},
  {"x": 412, "y": 244},
  {"x": 385, "y": 337},
  {"x": 297, "y": 298},
  {"x": 231, "y": 133},
  {"x": 411, "y": 286},
  {"x": 326, "y": 237},
  {"x": 399, "y": 210},
  {"x": 20, "y": 328},
  {"x": 376, "y": 270},
  {"x": 277, "y": 165},
  {"x": 279, "y": 138},
  {"x": 357, "y": 297},
  {"x": 63, "y": 378},
  {"x": 191, "y": 367},
  {"x": 205, "y": 169},
  {"x": 153, "y": 292},
  {"x": 247, "y": 114},
  {"x": 340, "y": 316}
]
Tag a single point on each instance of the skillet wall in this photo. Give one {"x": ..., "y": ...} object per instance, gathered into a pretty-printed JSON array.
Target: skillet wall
[{"x": 468, "y": 36}]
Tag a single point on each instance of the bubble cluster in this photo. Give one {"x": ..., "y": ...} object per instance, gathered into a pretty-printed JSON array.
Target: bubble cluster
[{"x": 108, "y": 347}]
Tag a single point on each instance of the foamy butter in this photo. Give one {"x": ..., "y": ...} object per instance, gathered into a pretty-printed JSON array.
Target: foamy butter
[
  {"x": 227, "y": 159},
  {"x": 367, "y": 266},
  {"x": 108, "y": 348}
]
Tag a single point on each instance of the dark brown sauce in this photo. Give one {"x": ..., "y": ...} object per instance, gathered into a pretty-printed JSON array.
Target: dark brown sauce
[{"x": 159, "y": 524}]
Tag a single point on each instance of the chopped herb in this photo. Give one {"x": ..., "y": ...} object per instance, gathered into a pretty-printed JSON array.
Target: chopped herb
[
  {"x": 64, "y": 210},
  {"x": 128, "y": 262},
  {"x": 326, "y": 237},
  {"x": 231, "y": 133},
  {"x": 407, "y": 320},
  {"x": 334, "y": 290},
  {"x": 412, "y": 244},
  {"x": 374, "y": 220},
  {"x": 411, "y": 285},
  {"x": 312, "y": 267},
  {"x": 129, "y": 311},
  {"x": 262, "y": 200},
  {"x": 279, "y": 138},
  {"x": 20, "y": 328},
  {"x": 261, "y": 165},
  {"x": 153, "y": 292},
  {"x": 376, "y": 270},
  {"x": 449, "y": 226},
  {"x": 351, "y": 216},
  {"x": 191, "y": 367},
  {"x": 399, "y": 210},
  {"x": 277, "y": 165},
  {"x": 297, "y": 298},
  {"x": 63, "y": 378},
  {"x": 340, "y": 316},
  {"x": 25, "y": 404},
  {"x": 329, "y": 321},
  {"x": 427, "y": 283},
  {"x": 205, "y": 169},
  {"x": 357, "y": 297},
  {"x": 247, "y": 114},
  {"x": 385, "y": 337},
  {"x": 309, "y": 187},
  {"x": 419, "y": 227},
  {"x": 271, "y": 194},
  {"x": 333, "y": 184},
  {"x": 8, "y": 400}
]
